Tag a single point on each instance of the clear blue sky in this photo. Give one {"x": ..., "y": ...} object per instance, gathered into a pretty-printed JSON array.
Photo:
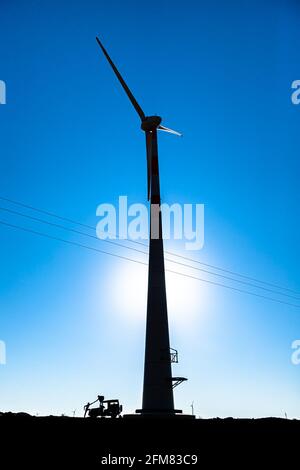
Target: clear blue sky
[{"x": 220, "y": 72}]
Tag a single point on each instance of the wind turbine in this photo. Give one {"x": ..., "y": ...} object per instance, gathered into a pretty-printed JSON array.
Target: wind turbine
[{"x": 158, "y": 386}]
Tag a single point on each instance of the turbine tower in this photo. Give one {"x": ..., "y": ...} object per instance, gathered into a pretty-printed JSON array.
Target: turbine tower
[{"x": 158, "y": 381}]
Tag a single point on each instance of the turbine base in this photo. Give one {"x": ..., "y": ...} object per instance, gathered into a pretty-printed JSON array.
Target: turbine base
[{"x": 152, "y": 414}]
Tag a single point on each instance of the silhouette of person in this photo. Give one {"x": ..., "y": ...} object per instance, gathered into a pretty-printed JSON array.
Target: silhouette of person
[{"x": 86, "y": 409}]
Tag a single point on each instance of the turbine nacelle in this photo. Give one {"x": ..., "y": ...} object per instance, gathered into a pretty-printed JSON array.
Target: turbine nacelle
[{"x": 150, "y": 123}]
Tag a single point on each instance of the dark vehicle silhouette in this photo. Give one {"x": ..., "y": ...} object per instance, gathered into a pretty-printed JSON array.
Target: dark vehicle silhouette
[{"x": 106, "y": 408}]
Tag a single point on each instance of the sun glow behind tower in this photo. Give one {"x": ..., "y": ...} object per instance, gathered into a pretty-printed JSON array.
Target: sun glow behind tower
[{"x": 187, "y": 299}]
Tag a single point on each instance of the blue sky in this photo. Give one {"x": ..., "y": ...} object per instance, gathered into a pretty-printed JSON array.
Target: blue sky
[{"x": 220, "y": 72}]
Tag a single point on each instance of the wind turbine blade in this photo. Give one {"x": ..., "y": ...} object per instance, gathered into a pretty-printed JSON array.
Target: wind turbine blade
[
  {"x": 149, "y": 161},
  {"x": 166, "y": 129},
  {"x": 121, "y": 80}
]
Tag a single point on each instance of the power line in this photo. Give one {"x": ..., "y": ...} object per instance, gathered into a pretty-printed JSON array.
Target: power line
[
  {"x": 145, "y": 264},
  {"x": 37, "y": 219},
  {"x": 66, "y": 219},
  {"x": 35, "y": 232}
]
